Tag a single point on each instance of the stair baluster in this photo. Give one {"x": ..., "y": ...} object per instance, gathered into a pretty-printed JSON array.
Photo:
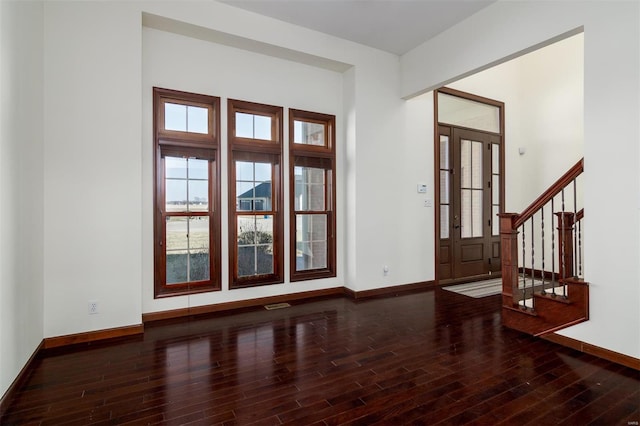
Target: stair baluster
[
  {"x": 524, "y": 279},
  {"x": 575, "y": 219},
  {"x": 533, "y": 264},
  {"x": 553, "y": 254}
]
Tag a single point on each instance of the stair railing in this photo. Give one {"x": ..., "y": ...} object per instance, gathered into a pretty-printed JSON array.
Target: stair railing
[{"x": 527, "y": 233}]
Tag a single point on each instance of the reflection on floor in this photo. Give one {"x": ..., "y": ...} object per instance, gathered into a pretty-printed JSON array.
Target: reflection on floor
[{"x": 431, "y": 357}]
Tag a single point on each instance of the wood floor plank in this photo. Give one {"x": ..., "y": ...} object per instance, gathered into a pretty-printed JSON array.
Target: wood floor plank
[{"x": 431, "y": 357}]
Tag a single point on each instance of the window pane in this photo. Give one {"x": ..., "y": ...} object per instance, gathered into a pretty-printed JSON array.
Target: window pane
[
  {"x": 199, "y": 265},
  {"x": 262, "y": 127},
  {"x": 444, "y": 221},
  {"x": 246, "y": 261},
  {"x": 177, "y": 246},
  {"x": 309, "y": 189},
  {"x": 444, "y": 152},
  {"x": 465, "y": 213},
  {"x": 187, "y": 245},
  {"x": 253, "y": 186},
  {"x": 476, "y": 164},
  {"x": 255, "y": 245},
  {"x": 176, "y": 195},
  {"x": 187, "y": 180},
  {"x": 198, "y": 169},
  {"x": 311, "y": 242},
  {"x": 198, "y": 195},
  {"x": 308, "y": 133},
  {"x": 244, "y": 125},
  {"x": 197, "y": 119},
  {"x": 244, "y": 199},
  {"x": 476, "y": 200},
  {"x": 244, "y": 171},
  {"x": 495, "y": 189},
  {"x": 175, "y": 117},
  {"x": 444, "y": 187},
  {"x": 253, "y": 196},
  {"x": 468, "y": 113},
  {"x": 262, "y": 172},
  {"x": 175, "y": 167},
  {"x": 495, "y": 158},
  {"x": 495, "y": 220},
  {"x": 198, "y": 248},
  {"x": 253, "y": 126},
  {"x": 264, "y": 259},
  {"x": 465, "y": 163}
]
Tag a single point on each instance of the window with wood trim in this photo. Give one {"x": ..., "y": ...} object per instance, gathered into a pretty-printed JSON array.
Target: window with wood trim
[
  {"x": 255, "y": 194},
  {"x": 187, "y": 192},
  {"x": 312, "y": 175}
]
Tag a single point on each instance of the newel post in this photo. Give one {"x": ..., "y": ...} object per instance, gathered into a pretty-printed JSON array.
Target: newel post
[
  {"x": 509, "y": 253},
  {"x": 565, "y": 244}
]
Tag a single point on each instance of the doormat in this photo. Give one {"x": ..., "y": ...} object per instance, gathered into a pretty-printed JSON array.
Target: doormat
[
  {"x": 493, "y": 286},
  {"x": 478, "y": 289}
]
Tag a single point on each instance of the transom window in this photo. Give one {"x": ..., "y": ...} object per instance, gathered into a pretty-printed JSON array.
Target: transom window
[
  {"x": 309, "y": 133},
  {"x": 253, "y": 126},
  {"x": 186, "y": 118}
]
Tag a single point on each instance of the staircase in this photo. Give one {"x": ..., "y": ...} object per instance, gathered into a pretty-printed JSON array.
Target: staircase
[{"x": 542, "y": 286}]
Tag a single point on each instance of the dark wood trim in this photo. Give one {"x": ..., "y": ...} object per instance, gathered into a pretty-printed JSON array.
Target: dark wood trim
[
  {"x": 20, "y": 379},
  {"x": 240, "y": 304},
  {"x": 305, "y": 295},
  {"x": 609, "y": 355},
  {"x": 386, "y": 291},
  {"x": 92, "y": 336},
  {"x": 437, "y": 131},
  {"x": 470, "y": 96},
  {"x": 551, "y": 192},
  {"x": 436, "y": 190}
]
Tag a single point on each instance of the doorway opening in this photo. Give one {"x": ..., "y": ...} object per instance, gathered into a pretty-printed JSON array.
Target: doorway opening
[{"x": 469, "y": 185}]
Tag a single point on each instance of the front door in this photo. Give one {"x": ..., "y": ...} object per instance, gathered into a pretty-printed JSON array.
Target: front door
[{"x": 469, "y": 202}]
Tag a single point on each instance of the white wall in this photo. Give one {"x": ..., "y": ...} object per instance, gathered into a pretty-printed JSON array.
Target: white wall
[
  {"x": 21, "y": 186},
  {"x": 393, "y": 154},
  {"x": 92, "y": 170},
  {"x": 611, "y": 134}
]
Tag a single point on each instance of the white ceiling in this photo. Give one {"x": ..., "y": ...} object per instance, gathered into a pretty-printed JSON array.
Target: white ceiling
[{"x": 395, "y": 26}]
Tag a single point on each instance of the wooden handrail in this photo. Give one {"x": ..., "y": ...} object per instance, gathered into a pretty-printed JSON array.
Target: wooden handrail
[
  {"x": 580, "y": 215},
  {"x": 551, "y": 192}
]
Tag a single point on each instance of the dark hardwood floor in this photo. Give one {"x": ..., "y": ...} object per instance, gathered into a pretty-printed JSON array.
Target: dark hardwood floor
[{"x": 432, "y": 357}]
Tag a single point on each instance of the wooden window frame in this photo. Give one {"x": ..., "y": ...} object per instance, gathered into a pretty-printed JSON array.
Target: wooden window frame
[
  {"x": 256, "y": 150},
  {"x": 316, "y": 156},
  {"x": 188, "y": 145}
]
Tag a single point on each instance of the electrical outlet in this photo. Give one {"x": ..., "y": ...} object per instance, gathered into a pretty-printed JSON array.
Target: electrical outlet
[{"x": 93, "y": 307}]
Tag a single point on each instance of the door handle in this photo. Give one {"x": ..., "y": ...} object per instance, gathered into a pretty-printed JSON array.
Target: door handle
[{"x": 456, "y": 226}]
